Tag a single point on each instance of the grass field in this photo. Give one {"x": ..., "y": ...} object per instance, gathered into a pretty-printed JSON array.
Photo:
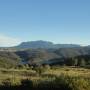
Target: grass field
[{"x": 65, "y": 78}]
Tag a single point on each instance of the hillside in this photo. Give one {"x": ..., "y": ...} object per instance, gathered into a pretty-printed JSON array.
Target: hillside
[
  {"x": 41, "y": 52},
  {"x": 51, "y": 56},
  {"x": 8, "y": 59}
]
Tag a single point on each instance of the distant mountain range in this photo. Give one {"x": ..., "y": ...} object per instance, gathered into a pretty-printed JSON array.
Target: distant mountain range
[
  {"x": 45, "y": 45},
  {"x": 40, "y": 52}
]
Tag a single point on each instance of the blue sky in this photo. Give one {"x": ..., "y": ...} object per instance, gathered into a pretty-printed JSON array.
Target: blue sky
[{"x": 59, "y": 21}]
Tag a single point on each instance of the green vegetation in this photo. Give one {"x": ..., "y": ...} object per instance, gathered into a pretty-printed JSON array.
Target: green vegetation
[
  {"x": 54, "y": 77},
  {"x": 8, "y": 59},
  {"x": 64, "y": 69}
]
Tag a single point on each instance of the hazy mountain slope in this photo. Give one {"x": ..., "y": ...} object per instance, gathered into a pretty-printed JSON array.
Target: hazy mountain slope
[
  {"x": 51, "y": 55},
  {"x": 44, "y": 44},
  {"x": 71, "y": 52},
  {"x": 37, "y": 55}
]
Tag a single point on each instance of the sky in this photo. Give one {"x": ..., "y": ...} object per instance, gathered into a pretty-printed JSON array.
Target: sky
[{"x": 58, "y": 21}]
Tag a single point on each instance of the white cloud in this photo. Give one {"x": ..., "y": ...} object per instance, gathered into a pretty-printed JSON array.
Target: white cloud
[{"x": 6, "y": 41}]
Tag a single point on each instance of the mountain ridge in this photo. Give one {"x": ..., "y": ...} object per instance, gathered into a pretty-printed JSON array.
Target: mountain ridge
[
  {"x": 40, "y": 52},
  {"x": 44, "y": 44}
]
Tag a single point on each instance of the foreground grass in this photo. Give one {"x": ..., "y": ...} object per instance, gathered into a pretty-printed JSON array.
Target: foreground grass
[{"x": 63, "y": 78}]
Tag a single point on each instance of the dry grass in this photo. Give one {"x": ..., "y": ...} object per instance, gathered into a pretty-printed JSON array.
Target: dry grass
[{"x": 16, "y": 75}]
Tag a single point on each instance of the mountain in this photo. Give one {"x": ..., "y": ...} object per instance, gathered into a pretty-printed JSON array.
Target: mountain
[
  {"x": 36, "y": 44},
  {"x": 41, "y": 52},
  {"x": 44, "y": 44}
]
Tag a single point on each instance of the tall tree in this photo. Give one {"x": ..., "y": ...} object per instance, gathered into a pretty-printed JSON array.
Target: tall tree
[{"x": 82, "y": 63}]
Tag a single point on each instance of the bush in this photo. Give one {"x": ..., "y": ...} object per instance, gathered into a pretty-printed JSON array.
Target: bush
[
  {"x": 40, "y": 69},
  {"x": 27, "y": 83}
]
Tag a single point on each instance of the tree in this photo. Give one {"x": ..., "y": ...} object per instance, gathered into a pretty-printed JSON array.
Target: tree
[
  {"x": 82, "y": 63},
  {"x": 76, "y": 62}
]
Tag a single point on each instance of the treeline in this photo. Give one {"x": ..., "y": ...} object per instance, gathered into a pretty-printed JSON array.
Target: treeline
[{"x": 81, "y": 61}]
